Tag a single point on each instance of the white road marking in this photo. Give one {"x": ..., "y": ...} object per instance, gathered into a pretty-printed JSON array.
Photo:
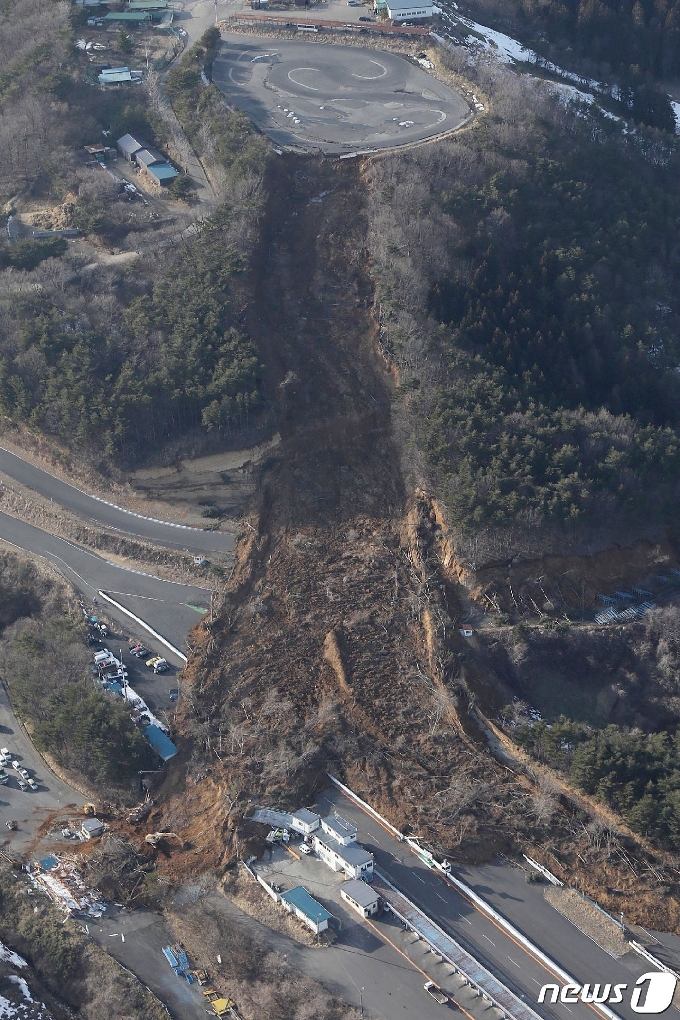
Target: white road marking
[
  {"x": 372, "y": 77},
  {"x": 514, "y": 961},
  {"x": 489, "y": 940},
  {"x": 420, "y": 879},
  {"x": 301, "y": 83},
  {"x": 372, "y": 836},
  {"x": 439, "y": 896}
]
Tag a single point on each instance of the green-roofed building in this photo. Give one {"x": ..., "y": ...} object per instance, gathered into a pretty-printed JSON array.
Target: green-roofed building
[
  {"x": 136, "y": 17},
  {"x": 147, "y": 5}
]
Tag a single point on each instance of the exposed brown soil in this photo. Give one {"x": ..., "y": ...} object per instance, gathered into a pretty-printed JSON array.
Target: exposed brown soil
[{"x": 337, "y": 643}]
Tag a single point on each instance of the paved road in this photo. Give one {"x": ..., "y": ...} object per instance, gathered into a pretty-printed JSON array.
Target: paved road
[
  {"x": 142, "y": 952},
  {"x": 521, "y": 903},
  {"x": 162, "y": 533},
  {"x": 18, "y": 806},
  {"x": 165, "y": 606}
]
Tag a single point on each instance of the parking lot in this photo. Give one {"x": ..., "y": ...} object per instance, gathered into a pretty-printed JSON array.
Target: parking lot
[
  {"x": 334, "y": 99},
  {"x": 389, "y": 964}
]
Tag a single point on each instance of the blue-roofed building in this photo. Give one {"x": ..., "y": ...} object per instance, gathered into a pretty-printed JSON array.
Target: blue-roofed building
[
  {"x": 49, "y": 863},
  {"x": 162, "y": 173},
  {"x": 299, "y": 902},
  {"x": 161, "y": 743}
]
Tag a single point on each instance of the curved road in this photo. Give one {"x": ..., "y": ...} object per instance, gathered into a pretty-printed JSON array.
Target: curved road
[
  {"x": 170, "y": 609},
  {"x": 108, "y": 515}
]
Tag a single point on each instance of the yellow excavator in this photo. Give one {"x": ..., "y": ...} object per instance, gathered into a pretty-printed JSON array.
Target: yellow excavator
[{"x": 90, "y": 810}]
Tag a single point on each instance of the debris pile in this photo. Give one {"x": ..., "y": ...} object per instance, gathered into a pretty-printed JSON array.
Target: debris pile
[{"x": 62, "y": 882}]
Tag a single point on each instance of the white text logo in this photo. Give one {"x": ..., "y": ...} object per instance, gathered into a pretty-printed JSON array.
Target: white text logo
[{"x": 652, "y": 993}]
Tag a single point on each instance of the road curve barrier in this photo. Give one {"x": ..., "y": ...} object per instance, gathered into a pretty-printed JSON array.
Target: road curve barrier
[
  {"x": 141, "y": 623},
  {"x": 444, "y": 870}
]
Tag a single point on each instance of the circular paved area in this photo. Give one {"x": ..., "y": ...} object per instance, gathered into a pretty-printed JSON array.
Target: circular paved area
[{"x": 334, "y": 99}]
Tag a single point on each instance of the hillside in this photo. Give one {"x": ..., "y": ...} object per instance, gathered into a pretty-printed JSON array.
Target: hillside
[
  {"x": 337, "y": 645},
  {"x": 469, "y": 351}
]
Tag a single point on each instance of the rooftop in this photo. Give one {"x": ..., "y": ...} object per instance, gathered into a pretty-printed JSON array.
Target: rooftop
[
  {"x": 162, "y": 171},
  {"x": 92, "y": 825},
  {"x": 341, "y": 827},
  {"x": 301, "y": 899},
  {"x": 129, "y": 145},
  {"x": 161, "y": 743},
  {"x": 352, "y": 854},
  {"x": 125, "y": 16},
  {"x": 306, "y": 816},
  {"x": 147, "y": 156},
  {"x": 359, "y": 892}
]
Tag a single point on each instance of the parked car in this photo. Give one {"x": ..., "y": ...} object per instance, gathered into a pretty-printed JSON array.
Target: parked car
[
  {"x": 437, "y": 994},
  {"x": 32, "y": 783},
  {"x": 158, "y": 664},
  {"x": 305, "y": 848},
  {"x": 4, "y": 752},
  {"x": 4, "y": 778},
  {"x": 23, "y": 785},
  {"x": 139, "y": 651},
  {"x": 366, "y": 19}
]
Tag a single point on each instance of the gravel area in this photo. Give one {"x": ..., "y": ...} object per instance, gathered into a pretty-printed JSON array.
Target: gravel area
[{"x": 588, "y": 919}]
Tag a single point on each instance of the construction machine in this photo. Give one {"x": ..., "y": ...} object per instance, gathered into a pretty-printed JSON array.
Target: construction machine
[
  {"x": 90, "y": 810},
  {"x": 154, "y": 838}
]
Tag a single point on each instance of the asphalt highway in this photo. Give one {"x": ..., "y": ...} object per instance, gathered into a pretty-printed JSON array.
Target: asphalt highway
[
  {"x": 507, "y": 891},
  {"x": 171, "y": 536}
]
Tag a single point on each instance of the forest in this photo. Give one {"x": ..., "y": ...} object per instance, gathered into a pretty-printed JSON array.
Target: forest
[
  {"x": 527, "y": 278},
  {"x": 635, "y": 41},
  {"x": 635, "y": 773},
  {"x": 44, "y": 665}
]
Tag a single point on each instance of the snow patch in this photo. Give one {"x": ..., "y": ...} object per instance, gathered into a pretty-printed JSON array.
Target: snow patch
[
  {"x": 7, "y": 956},
  {"x": 23, "y": 985}
]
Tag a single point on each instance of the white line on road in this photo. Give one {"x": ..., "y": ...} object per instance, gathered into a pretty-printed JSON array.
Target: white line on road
[
  {"x": 439, "y": 896},
  {"x": 515, "y": 962},
  {"x": 419, "y": 878},
  {"x": 372, "y": 836},
  {"x": 489, "y": 940}
]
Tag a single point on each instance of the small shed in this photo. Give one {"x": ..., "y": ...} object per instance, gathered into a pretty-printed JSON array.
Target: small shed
[
  {"x": 361, "y": 897},
  {"x": 305, "y": 821},
  {"x": 299, "y": 902},
  {"x": 127, "y": 147},
  {"x": 91, "y": 828}
]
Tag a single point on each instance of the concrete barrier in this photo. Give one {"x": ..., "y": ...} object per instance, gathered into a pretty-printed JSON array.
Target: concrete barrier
[
  {"x": 544, "y": 871},
  {"x": 425, "y": 856}
]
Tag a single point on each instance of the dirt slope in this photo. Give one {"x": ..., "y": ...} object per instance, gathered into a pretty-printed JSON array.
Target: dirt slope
[{"x": 337, "y": 642}]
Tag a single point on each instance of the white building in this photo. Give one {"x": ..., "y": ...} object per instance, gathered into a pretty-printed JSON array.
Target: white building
[
  {"x": 339, "y": 829},
  {"x": 350, "y": 858},
  {"x": 360, "y": 897},
  {"x": 400, "y": 11},
  {"x": 305, "y": 821},
  {"x": 299, "y": 902}
]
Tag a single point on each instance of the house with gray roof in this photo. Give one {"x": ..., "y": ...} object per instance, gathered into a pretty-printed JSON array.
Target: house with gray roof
[{"x": 348, "y": 857}]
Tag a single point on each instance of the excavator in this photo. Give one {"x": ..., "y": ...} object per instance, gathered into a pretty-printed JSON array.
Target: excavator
[{"x": 154, "y": 838}]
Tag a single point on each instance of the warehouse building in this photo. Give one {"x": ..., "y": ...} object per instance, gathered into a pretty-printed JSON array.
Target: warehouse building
[
  {"x": 299, "y": 902},
  {"x": 399, "y": 10}
]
